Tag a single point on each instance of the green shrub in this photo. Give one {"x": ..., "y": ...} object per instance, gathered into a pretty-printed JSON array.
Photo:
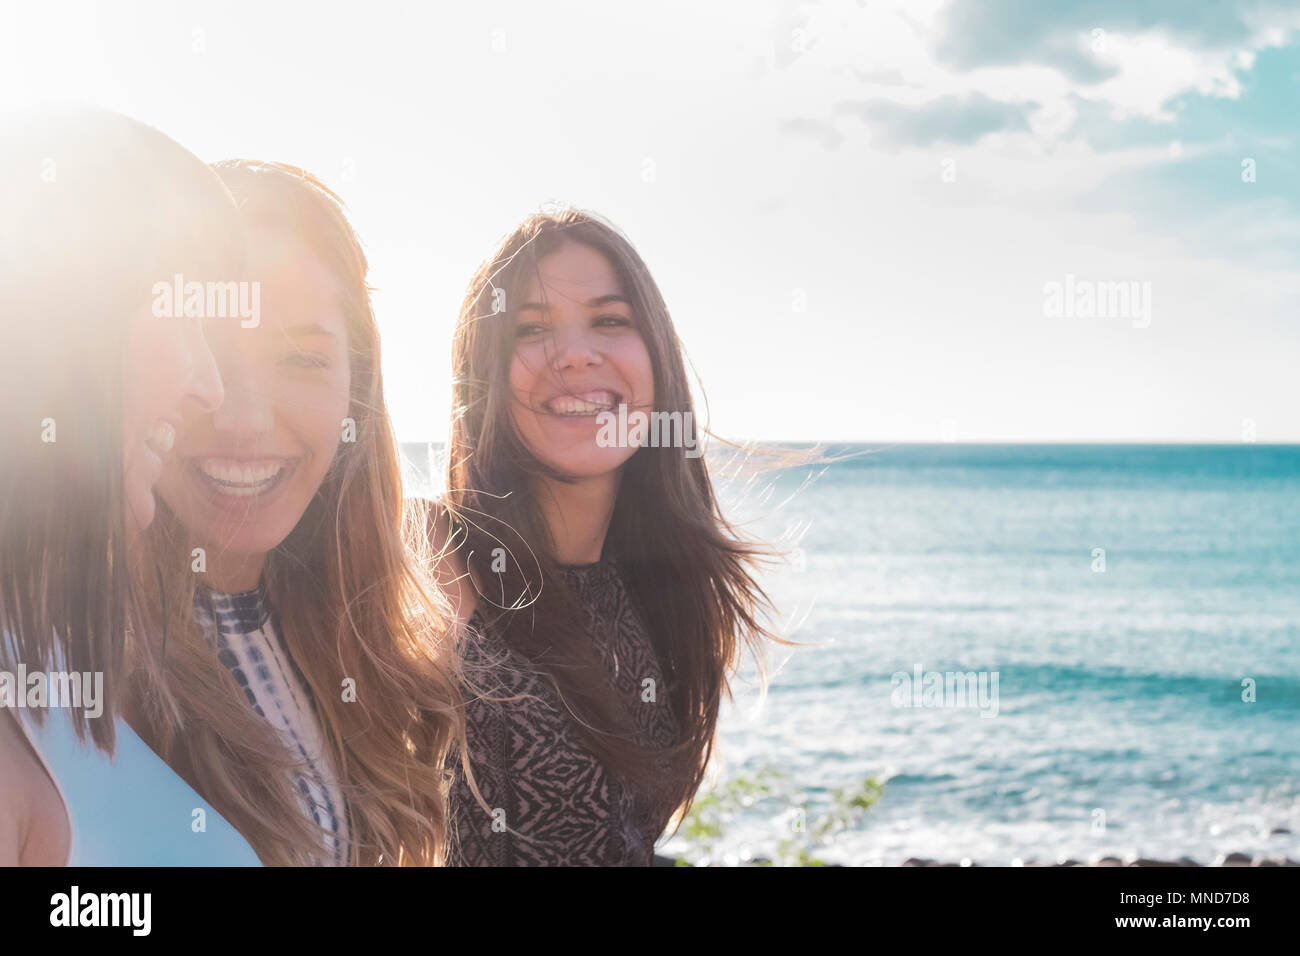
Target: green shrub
[{"x": 714, "y": 810}]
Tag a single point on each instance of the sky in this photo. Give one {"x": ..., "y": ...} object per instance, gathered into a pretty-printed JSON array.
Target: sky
[{"x": 859, "y": 212}]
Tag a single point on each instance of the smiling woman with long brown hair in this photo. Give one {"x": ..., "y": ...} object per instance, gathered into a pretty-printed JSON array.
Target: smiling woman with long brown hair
[
  {"x": 323, "y": 737},
  {"x": 607, "y": 596}
]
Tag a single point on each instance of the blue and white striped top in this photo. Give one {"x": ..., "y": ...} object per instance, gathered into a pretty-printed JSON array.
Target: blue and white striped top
[{"x": 248, "y": 642}]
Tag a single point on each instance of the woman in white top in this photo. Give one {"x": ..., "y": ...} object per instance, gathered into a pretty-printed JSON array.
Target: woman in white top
[{"x": 96, "y": 213}]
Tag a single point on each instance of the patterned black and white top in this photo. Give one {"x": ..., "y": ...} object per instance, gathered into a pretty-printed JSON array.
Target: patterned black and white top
[
  {"x": 532, "y": 767},
  {"x": 248, "y": 642}
]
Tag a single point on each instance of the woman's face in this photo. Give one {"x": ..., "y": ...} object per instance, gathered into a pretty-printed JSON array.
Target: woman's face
[
  {"x": 170, "y": 377},
  {"x": 578, "y": 351},
  {"x": 243, "y": 475}
]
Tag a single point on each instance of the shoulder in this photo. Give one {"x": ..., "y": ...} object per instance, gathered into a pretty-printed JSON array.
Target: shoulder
[
  {"x": 445, "y": 543},
  {"x": 34, "y": 829}
]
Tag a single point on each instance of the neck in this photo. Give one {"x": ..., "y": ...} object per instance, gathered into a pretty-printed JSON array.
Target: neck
[
  {"x": 232, "y": 573},
  {"x": 578, "y": 515}
]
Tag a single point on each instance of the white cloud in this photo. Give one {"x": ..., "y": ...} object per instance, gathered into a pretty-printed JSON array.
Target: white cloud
[{"x": 885, "y": 52}]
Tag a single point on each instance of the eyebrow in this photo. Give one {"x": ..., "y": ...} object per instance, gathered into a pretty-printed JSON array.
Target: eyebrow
[
  {"x": 591, "y": 304},
  {"x": 311, "y": 328}
]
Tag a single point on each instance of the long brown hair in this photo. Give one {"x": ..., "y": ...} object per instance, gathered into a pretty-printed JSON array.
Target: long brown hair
[
  {"x": 94, "y": 209},
  {"x": 690, "y": 571},
  {"x": 353, "y": 602}
]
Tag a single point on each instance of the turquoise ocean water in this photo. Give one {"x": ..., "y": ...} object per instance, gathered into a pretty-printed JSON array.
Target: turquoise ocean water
[{"x": 1120, "y": 725}]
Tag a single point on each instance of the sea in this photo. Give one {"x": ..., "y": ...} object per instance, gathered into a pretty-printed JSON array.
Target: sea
[{"x": 1021, "y": 653}]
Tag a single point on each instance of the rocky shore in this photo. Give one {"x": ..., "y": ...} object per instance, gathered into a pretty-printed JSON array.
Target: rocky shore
[{"x": 1231, "y": 859}]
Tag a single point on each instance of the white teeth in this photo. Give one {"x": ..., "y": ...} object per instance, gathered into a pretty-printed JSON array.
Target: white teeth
[
  {"x": 586, "y": 403},
  {"x": 161, "y": 437},
  {"x": 239, "y": 478}
]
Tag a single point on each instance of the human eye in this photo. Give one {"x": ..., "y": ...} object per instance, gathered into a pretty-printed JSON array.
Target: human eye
[
  {"x": 525, "y": 330},
  {"x": 304, "y": 360}
]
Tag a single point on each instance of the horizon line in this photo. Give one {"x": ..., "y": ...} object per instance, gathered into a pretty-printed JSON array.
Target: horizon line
[{"x": 1087, "y": 442}]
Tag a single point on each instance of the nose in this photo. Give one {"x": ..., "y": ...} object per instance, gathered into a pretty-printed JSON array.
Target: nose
[
  {"x": 205, "y": 388},
  {"x": 246, "y": 411},
  {"x": 575, "y": 348}
]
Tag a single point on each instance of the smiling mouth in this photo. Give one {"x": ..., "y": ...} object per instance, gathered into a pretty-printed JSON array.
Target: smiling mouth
[
  {"x": 583, "y": 404},
  {"x": 241, "y": 479}
]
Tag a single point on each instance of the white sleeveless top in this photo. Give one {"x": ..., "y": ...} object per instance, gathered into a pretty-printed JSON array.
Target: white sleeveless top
[{"x": 132, "y": 809}]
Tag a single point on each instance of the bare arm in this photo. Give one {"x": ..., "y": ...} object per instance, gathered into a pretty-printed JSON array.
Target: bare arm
[
  {"x": 13, "y": 796},
  {"x": 34, "y": 828}
]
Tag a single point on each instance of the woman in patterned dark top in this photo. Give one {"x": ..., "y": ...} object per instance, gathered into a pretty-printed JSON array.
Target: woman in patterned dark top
[
  {"x": 304, "y": 689},
  {"x": 530, "y": 761},
  {"x": 608, "y": 599}
]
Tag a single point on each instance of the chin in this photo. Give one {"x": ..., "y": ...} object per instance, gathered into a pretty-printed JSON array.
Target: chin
[
  {"x": 248, "y": 541},
  {"x": 593, "y": 465}
]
